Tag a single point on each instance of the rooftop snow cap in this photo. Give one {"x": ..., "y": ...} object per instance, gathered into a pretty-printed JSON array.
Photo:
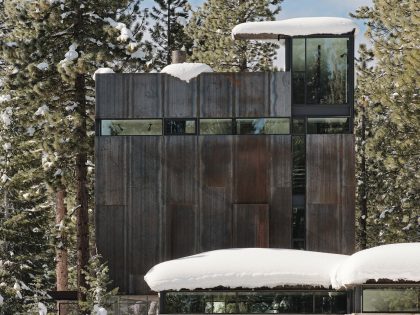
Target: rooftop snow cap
[
  {"x": 245, "y": 268},
  {"x": 294, "y": 27},
  {"x": 395, "y": 262},
  {"x": 186, "y": 71}
]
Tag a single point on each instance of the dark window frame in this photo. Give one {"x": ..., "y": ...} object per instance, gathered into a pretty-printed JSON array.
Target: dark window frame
[
  {"x": 165, "y": 119},
  {"x": 350, "y": 72}
]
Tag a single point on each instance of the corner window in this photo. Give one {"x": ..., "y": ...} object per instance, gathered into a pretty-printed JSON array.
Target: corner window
[
  {"x": 179, "y": 126},
  {"x": 324, "y": 125},
  {"x": 319, "y": 70},
  {"x": 149, "y": 127},
  {"x": 391, "y": 300}
]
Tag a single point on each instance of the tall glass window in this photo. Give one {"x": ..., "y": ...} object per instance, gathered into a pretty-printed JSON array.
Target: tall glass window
[{"x": 319, "y": 67}]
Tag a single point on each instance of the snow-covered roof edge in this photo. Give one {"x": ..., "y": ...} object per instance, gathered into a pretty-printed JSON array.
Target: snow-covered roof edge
[
  {"x": 256, "y": 267},
  {"x": 304, "y": 26},
  {"x": 186, "y": 71}
]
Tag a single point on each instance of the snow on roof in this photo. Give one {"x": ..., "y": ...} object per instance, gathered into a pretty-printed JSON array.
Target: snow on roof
[
  {"x": 186, "y": 71},
  {"x": 102, "y": 70},
  {"x": 294, "y": 27},
  {"x": 262, "y": 267},
  {"x": 393, "y": 262},
  {"x": 245, "y": 267}
]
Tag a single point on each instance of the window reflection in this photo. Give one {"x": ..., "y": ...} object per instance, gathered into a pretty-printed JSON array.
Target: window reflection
[
  {"x": 391, "y": 300},
  {"x": 216, "y": 126},
  {"x": 329, "y": 125},
  {"x": 258, "y": 126},
  {"x": 131, "y": 127},
  {"x": 319, "y": 68},
  {"x": 254, "y": 302},
  {"x": 180, "y": 126}
]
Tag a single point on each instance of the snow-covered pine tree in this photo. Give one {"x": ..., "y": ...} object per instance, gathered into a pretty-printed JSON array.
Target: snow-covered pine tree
[
  {"x": 393, "y": 146},
  {"x": 56, "y": 47},
  {"x": 210, "y": 28},
  {"x": 167, "y": 32}
]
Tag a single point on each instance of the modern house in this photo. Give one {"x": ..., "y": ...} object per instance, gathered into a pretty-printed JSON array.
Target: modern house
[{"x": 230, "y": 160}]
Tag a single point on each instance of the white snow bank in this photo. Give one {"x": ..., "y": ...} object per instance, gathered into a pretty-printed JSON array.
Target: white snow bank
[
  {"x": 102, "y": 70},
  {"x": 295, "y": 27},
  {"x": 245, "y": 267},
  {"x": 393, "y": 262},
  {"x": 186, "y": 71}
]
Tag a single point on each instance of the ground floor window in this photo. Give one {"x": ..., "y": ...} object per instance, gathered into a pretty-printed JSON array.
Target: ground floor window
[
  {"x": 391, "y": 300},
  {"x": 255, "y": 302}
]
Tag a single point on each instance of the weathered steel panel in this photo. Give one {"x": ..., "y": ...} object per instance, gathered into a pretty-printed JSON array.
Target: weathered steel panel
[
  {"x": 145, "y": 95},
  {"x": 180, "y": 97},
  {"x": 251, "y": 169},
  {"x": 181, "y": 195},
  {"x": 251, "y": 225},
  {"x": 216, "y": 177},
  {"x": 112, "y": 96},
  {"x": 330, "y": 193},
  {"x": 216, "y": 94},
  {"x": 111, "y": 241},
  {"x": 252, "y": 98},
  {"x": 280, "y": 94},
  {"x": 145, "y": 208},
  {"x": 111, "y": 164},
  {"x": 280, "y": 191}
]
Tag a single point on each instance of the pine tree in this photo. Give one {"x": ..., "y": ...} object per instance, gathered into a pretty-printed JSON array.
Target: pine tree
[
  {"x": 390, "y": 91},
  {"x": 168, "y": 33},
  {"x": 210, "y": 28},
  {"x": 54, "y": 47}
]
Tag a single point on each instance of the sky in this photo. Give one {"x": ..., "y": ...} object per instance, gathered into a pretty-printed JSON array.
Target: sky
[{"x": 305, "y": 8}]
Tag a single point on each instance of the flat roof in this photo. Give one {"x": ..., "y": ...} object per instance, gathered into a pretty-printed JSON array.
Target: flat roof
[{"x": 305, "y": 26}]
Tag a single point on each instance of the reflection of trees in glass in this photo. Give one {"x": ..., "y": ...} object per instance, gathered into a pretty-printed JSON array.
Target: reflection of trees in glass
[
  {"x": 259, "y": 126},
  {"x": 391, "y": 300},
  {"x": 131, "y": 127},
  {"x": 299, "y": 165},
  {"x": 326, "y": 70},
  {"x": 216, "y": 126}
]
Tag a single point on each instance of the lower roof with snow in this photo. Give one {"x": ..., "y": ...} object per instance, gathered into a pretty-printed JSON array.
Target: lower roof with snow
[
  {"x": 258, "y": 267},
  {"x": 294, "y": 27}
]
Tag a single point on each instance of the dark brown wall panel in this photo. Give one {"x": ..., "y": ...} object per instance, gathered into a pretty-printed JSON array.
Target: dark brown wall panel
[
  {"x": 330, "y": 193},
  {"x": 145, "y": 208},
  {"x": 251, "y": 169},
  {"x": 216, "y": 94},
  {"x": 215, "y": 192},
  {"x": 181, "y": 194},
  {"x": 180, "y": 97},
  {"x": 252, "y": 94},
  {"x": 111, "y": 242},
  {"x": 280, "y": 193},
  {"x": 250, "y": 225},
  {"x": 111, "y": 165}
]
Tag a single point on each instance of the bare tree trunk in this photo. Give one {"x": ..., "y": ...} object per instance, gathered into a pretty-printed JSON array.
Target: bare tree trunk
[
  {"x": 61, "y": 269},
  {"x": 82, "y": 191}
]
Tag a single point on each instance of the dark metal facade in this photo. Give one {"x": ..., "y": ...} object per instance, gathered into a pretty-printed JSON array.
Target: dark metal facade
[{"x": 164, "y": 197}]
